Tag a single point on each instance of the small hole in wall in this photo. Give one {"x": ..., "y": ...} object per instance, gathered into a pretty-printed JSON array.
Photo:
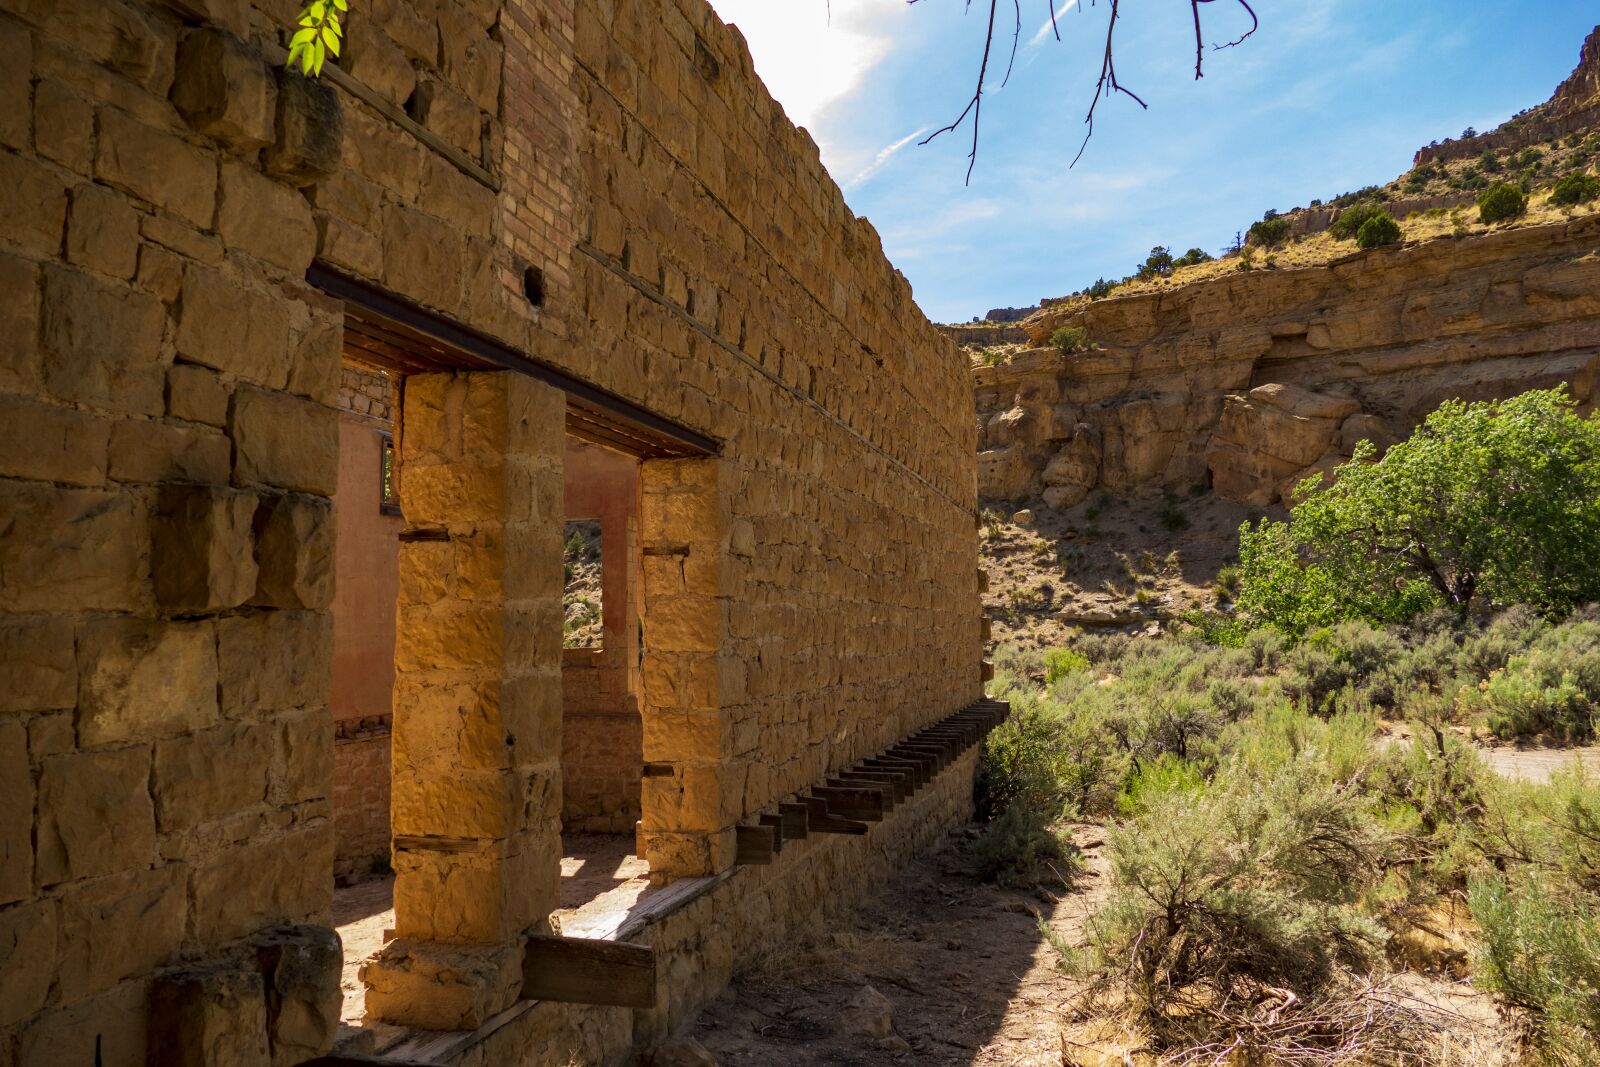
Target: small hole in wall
[
  {"x": 533, "y": 286},
  {"x": 688, "y": 305},
  {"x": 416, "y": 105}
]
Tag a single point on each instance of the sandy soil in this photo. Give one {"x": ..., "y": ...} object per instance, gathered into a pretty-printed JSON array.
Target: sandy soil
[{"x": 970, "y": 977}]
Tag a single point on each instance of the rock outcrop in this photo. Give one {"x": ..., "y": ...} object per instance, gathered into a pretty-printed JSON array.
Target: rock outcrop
[
  {"x": 1574, "y": 108},
  {"x": 1251, "y": 381}
]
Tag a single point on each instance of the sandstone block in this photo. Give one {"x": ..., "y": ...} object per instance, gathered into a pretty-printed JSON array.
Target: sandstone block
[
  {"x": 263, "y": 883},
  {"x": 102, "y": 343},
  {"x": 204, "y": 1016},
  {"x": 348, "y": 246},
  {"x": 285, "y": 442},
  {"x": 1303, "y": 402},
  {"x": 70, "y": 549},
  {"x": 315, "y": 366},
  {"x": 271, "y": 661},
  {"x": 64, "y": 126},
  {"x": 225, "y": 89},
  {"x": 196, "y": 394},
  {"x": 441, "y": 987},
  {"x": 229, "y": 326},
  {"x": 1358, "y": 428},
  {"x": 111, "y": 1025},
  {"x": 471, "y": 58},
  {"x": 231, "y": 15},
  {"x": 211, "y": 774},
  {"x": 145, "y": 451},
  {"x": 102, "y": 232},
  {"x": 685, "y": 624},
  {"x": 201, "y": 556},
  {"x": 95, "y": 815},
  {"x": 416, "y": 35},
  {"x": 120, "y": 927},
  {"x": 422, "y": 257},
  {"x": 37, "y": 670},
  {"x": 183, "y": 239},
  {"x": 35, "y": 202},
  {"x": 139, "y": 679},
  {"x": 16, "y": 824},
  {"x": 377, "y": 62},
  {"x": 294, "y": 552},
  {"x": 16, "y": 85},
  {"x": 476, "y": 803},
  {"x": 20, "y": 370},
  {"x": 450, "y": 113},
  {"x": 300, "y": 966},
  {"x": 308, "y": 132},
  {"x": 156, "y": 166},
  {"x": 265, "y": 219},
  {"x": 51, "y": 444},
  {"x": 27, "y": 959},
  {"x": 302, "y": 758}
]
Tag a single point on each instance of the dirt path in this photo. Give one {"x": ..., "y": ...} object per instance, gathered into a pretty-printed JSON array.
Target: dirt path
[
  {"x": 1538, "y": 764},
  {"x": 971, "y": 979}
]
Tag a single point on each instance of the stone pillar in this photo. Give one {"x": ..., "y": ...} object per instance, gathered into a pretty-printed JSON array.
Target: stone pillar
[
  {"x": 477, "y": 699},
  {"x": 692, "y": 790}
]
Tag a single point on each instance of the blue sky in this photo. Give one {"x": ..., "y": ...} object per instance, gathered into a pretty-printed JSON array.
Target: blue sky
[{"x": 1328, "y": 96}]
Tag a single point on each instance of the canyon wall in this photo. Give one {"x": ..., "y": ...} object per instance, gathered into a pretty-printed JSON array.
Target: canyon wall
[{"x": 1253, "y": 380}]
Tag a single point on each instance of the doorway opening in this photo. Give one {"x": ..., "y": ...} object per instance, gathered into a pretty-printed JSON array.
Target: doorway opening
[{"x": 601, "y": 729}]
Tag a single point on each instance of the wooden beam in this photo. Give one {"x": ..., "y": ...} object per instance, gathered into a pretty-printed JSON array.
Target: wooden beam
[
  {"x": 862, "y": 780},
  {"x": 577, "y": 970},
  {"x": 899, "y": 787},
  {"x": 754, "y": 845},
  {"x": 794, "y": 821},
  {"x": 775, "y": 824},
  {"x": 819, "y": 821},
  {"x": 852, "y": 803}
]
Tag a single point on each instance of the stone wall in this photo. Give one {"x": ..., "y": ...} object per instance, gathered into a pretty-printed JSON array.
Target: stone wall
[
  {"x": 606, "y": 189},
  {"x": 1249, "y": 382}
]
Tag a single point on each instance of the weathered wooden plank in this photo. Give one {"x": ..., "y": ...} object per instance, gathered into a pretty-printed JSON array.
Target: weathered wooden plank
[
  {"x": 852, "y": 803},
  {"x": 818, "y": 821},
  {"x": 794, "y": 821},
  {"x": 754, "y": 845},
  {"x": 576, "y": 970},
  {"x": 775, "y": 824},
  {"x": 865, "y": 780}
]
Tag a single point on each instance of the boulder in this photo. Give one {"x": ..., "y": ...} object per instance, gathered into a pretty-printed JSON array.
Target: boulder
[{"x": 868, "y": 1014}]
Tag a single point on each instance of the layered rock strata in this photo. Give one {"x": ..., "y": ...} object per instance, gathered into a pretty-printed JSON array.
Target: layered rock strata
[{"x": 1251, "y": 381}]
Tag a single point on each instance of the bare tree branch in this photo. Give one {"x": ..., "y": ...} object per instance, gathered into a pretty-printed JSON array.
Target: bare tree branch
[{"x": 1106, "y": 85}]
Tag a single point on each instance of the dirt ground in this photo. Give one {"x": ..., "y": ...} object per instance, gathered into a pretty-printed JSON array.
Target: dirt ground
[{"x": 971, "y": 979}]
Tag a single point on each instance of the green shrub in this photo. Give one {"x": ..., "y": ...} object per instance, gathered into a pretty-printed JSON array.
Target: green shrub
[
  {"x": 1378, "y": 230},
  {"x": 1575, "y": 188},
  {"x": 1533, "y": 695},
  {"x": 1060, "y": 662},
  {"x": 1070, "y": 339},
  {"x": 1222, "y": 892},
  {"x": 1539, "y": 952},
  {"x": 1269, "y": 233},
  {"x": 1501, "y": 202},
  {"x": 1350, "y": 220},
  {"x": 1492, "y": 501},
  {"x": 1022, "y": 850}
]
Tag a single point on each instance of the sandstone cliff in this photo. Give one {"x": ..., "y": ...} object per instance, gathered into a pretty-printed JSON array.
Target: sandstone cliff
[{"x": 1250, "y": 381}]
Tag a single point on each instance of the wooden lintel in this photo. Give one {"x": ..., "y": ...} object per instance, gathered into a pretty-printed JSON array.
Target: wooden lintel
[
  {"x": 578, "y": 970},
  {"x": 899, "y": 784},
  {"x": 754, "y": 845},
  {"x": 866, "y": 780}
]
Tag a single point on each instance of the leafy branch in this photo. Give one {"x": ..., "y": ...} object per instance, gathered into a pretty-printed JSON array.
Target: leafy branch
[{"x": 318, "y": 35}]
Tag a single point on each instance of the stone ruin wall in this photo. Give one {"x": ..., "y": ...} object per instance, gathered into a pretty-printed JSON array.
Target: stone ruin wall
[
  {"x": 1249, "y": 382},
  {"x": 612, "y": 193}
]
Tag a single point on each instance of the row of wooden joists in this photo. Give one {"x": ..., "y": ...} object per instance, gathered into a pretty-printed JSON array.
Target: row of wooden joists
[{"x": 848, "y": 801}]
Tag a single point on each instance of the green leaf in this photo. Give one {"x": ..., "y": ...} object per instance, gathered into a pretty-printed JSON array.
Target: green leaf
[
  {"x": 301, "y": 38},
  {"x": 318, "y": 10},
  {"x": 320, "y": 57},
  {"x": 330, "y": 39},
  {"x": 342, "y": 5}
]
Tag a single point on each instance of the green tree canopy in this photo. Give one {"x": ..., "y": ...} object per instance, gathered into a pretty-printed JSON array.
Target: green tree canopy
[{"x": 1491, "y": 503}]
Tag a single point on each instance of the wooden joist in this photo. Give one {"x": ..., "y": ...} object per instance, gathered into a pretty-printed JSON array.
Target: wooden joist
[
  {"x": 850, "y": 799},
  {"x": 578, "y": 970},
  {"x": 754, "y": 845}
]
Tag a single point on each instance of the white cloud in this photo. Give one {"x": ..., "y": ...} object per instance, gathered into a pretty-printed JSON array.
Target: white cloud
[
  {"x": 807, "y": 58},
  {"x": 1049, "y": 27},
  {"x": 883, "y": 157}
]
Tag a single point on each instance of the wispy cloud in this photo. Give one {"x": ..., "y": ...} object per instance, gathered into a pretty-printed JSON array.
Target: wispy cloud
[
  {"x": 1048, "y": 29},
  {"x": 883, "y": 156}
]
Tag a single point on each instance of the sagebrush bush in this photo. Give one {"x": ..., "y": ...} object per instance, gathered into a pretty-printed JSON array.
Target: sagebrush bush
[
  {"x": 1501, "y": 202},
  {"x": 1532, "y": 695},
  {"x": 1060, "y": 662},
  {"x": 1539, "y": 952}
]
